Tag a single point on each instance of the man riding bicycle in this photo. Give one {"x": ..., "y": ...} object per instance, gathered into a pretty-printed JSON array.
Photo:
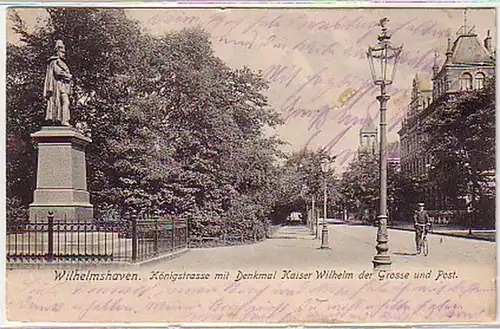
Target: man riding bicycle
[{"x": 422, "y": 222}]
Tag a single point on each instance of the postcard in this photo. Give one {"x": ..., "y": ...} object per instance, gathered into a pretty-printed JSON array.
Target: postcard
[{"x": 279, "y": 165}]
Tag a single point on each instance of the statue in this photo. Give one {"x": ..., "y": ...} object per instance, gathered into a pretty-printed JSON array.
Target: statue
[
  {"x": 58, "y": 81},
  {"x": 382, "y": 23}
]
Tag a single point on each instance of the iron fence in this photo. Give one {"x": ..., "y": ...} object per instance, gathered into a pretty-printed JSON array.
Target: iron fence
[{"x": 126, "y": 240}]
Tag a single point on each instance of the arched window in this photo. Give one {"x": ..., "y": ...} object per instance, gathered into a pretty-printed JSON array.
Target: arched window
[
  {"x": 466, "y": 81},
  {"x": 479, "y": 80}
]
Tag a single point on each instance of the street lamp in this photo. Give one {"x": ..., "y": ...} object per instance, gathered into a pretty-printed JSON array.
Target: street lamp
[
  {"x": 325, "y": 168},
  {"x": 383, "y": 58},
  {"x": 314, "y": 218},
  {"x": 303, "y": 193}
]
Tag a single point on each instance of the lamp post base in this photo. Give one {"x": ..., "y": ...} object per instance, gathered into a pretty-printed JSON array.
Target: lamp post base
[
  {"x": 382, "y": 260},
  {"x": 324, "y": 238}
]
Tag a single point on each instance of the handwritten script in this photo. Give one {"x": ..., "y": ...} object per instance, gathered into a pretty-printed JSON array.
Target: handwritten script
[
  {"x": 274, "y": 296},
  {"x": 316, "y": 63}
]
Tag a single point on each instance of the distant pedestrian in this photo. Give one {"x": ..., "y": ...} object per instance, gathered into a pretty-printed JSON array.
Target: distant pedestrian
[{"x": 421, "y": 222}]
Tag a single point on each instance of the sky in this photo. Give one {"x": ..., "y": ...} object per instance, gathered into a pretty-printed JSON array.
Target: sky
[{"x": 315, "y": 60}]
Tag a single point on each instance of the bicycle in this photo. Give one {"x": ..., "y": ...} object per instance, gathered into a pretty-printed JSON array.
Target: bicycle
[{"x": 424, "y": 245}]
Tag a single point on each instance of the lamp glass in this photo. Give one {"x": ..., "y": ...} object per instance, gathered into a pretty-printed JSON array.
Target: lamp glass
[{"x": 383, "y": 59}]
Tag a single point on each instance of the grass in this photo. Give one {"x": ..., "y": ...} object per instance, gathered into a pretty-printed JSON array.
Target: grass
[{"x": 486, "y": 235}]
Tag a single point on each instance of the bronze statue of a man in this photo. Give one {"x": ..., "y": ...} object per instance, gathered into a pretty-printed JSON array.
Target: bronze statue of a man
[{"x": 58, "y": 81}]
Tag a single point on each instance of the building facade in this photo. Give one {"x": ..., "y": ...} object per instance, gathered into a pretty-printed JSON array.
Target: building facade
[
  {"x": 467, "y": 64},
  {"x": 393, "y": 155}
]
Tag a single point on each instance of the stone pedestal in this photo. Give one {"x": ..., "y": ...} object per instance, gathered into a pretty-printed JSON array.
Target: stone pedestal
[{"x": 61, "y": 184}]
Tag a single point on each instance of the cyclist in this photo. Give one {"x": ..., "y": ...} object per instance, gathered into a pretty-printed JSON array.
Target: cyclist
[{"x": 422, "y": 222}]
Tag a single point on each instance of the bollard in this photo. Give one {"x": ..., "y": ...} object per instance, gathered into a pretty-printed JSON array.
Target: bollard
[
  {"x": 173, "y": 234},
  {"x": 324, "y": 237},
  {"x": 134, "y": 237},
  {"x": 156, "y": 236}
]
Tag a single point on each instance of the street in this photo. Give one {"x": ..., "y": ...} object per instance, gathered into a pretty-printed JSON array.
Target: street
[
  {"x": 283, "y": 279},
  {"x": 351, "y": 246}
]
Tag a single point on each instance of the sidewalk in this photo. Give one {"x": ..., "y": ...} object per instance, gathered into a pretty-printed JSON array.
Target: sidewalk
[
  {"x": 479, "y": 234},
  {"x": 293, "y": 232}
]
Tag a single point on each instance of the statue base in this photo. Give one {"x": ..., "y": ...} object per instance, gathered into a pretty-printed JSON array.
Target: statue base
[{"x": 61, "y": 185}]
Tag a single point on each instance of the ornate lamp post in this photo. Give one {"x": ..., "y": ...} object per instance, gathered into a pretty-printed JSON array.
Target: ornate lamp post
[
  {"x": 303, "y": 195},
  {"x": 383, "y": 58},
  {"x": 313, "y": 220},
  {"x": 314, "y": 217},
  {"x": 325, "y": 168}
]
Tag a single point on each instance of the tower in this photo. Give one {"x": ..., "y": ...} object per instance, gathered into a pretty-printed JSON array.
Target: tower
[{"x": 368, "y": 137}]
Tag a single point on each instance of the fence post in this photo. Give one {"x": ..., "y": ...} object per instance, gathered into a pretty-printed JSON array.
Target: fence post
[
  {"x": 186, "y": 226},
  {"x": 50, "y": 226},
  {"x": 156, "y": 235},
  {"x": 134, "y": 237},
  {"x": 173, "y": 233}
]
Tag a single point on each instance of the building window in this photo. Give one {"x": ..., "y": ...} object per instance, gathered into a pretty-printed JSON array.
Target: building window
[
  {"x": 479, "y": 80},
  {"x": 466, "y": 81}
]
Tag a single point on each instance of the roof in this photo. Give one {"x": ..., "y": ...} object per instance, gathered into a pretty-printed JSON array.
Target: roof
[
  {"x": 468, "y": 49},
  {"x": 424, "y": 82},
  {"x": 368, "y": 126}
]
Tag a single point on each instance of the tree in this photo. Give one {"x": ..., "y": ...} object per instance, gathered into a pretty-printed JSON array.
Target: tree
[
  {"x": 360, "y": 184},
  {"x": 174, "y": 130},
  {"x": 100, "y": 44},
  {"x": 360, "y": 189},
  {"x": 298, "y": 179},
  {"x": 462, "y": 144},
  {"x": 404, "y": 193}
]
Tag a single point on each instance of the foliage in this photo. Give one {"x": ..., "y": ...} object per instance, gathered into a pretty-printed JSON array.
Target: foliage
[
  {"x": 404, "y": 194},
  {"x": 360, "y": 184},
  {"x": 15, "y": 210},
  {"x": 174, "y": 130},
  {"x": 360, "y": 188},
  {"x": 305, "y": 179},
  {"x": 462, "y": 144}
]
